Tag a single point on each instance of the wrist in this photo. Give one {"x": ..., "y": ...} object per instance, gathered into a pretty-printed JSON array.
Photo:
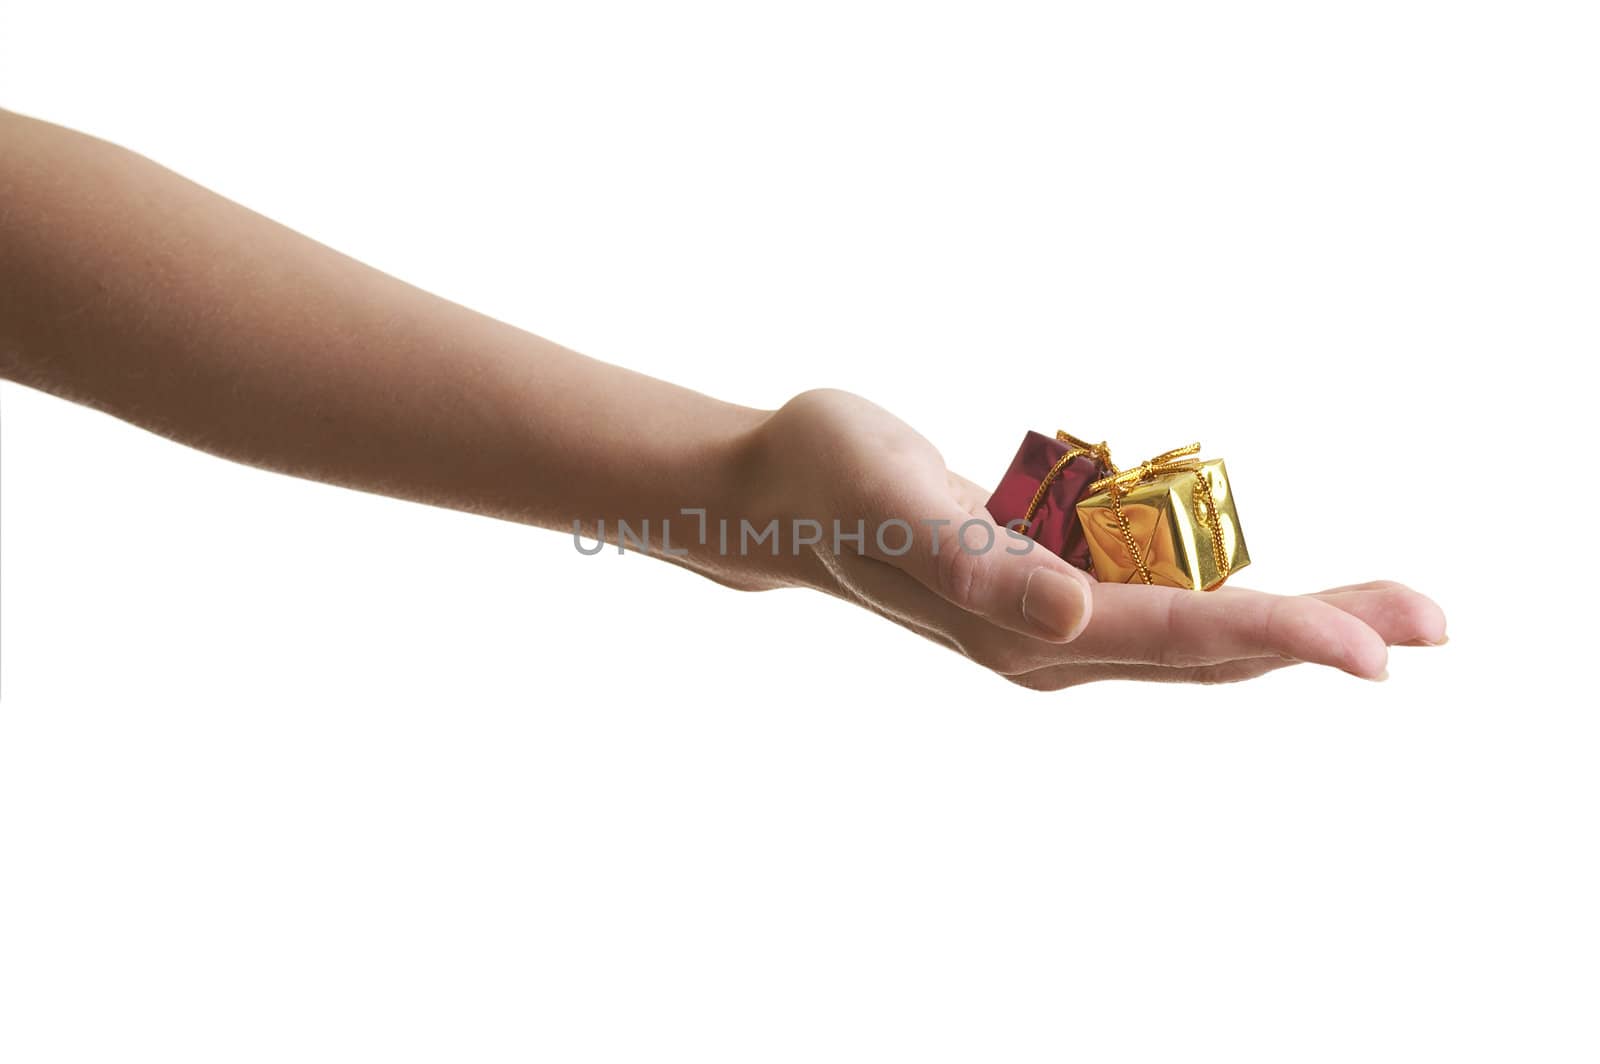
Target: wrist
[
  {"x": 778, "y": 496},
  {"x": 752, "y": 533},
  {"x": 714, "y": 487}
]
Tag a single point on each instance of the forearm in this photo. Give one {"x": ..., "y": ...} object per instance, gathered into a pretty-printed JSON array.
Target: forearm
[{"x": 131, "y": 289}]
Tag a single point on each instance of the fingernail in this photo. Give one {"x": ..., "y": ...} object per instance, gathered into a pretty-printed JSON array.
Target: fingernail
[
  {"x": 1441, "y": 641},
  {"x": 1053, "y": 602},
  {"x": 1382, "y": 676}
]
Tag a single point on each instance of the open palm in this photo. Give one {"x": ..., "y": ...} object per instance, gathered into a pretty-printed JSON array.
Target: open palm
[{"x": 1031, "y": 617}]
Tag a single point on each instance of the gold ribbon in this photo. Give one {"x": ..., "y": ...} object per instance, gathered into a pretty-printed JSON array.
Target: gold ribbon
[
  {"x": 1168, "y": 463},
  {"x": 1078, "y": 449},
  {"x": 1164, "y": 464}
]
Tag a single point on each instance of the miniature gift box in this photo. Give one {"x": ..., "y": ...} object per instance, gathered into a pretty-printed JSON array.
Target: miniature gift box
[
  {"x": 1168, "y": 521},
  {"x": 1038, "y": 495}
]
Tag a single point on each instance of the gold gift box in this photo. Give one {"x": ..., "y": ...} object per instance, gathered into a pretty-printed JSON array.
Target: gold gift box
[{"x": 1154, "y": 524}]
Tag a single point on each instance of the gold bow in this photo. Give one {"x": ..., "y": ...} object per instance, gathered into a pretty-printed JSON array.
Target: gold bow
[
  {"x": 1077, "y": 449},
  {"x": 1165, "y": 464}
]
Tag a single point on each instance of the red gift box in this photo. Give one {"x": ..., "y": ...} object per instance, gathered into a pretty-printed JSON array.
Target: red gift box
[{"x": 1042, "y": 489}]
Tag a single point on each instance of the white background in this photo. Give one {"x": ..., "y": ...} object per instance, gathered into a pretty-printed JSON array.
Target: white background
[{"x": 295, "y": 773}]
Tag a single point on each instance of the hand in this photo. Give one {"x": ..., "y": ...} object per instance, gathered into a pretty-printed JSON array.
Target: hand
[{"x": 1031, "y": 617}]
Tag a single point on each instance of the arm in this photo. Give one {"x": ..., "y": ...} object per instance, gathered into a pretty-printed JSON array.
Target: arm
[
  {"x": 128, "y": 288},
  {"x": 131, "y": 289}
]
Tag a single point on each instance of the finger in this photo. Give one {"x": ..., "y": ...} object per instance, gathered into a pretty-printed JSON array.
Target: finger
[
  {"x": 1398, "y": 614},
  {"x": 1028, "y": 662},
  {"x": 1136, "y": 624},
  {"x": 1007, "y": 579},
  {"x": 1367, "y": 585},
  {"x": 1060, "y": 677}
]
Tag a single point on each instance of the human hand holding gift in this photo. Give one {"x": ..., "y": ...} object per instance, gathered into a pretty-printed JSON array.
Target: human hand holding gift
[
  {"x": 1032, "y": 617},
  {"x": 252, "y": 342}
]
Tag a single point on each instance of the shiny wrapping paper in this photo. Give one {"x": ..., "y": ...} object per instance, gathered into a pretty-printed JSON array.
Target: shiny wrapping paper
[
  {"x": 1054, "y": 524},
  {"x": 1178, "y": 536}
]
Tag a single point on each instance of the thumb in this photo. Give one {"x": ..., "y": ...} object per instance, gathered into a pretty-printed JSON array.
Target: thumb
[{"x": 1003, "y": 576}]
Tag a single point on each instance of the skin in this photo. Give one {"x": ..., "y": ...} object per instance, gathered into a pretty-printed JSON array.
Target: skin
[{"x": 125, "y": 287}]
